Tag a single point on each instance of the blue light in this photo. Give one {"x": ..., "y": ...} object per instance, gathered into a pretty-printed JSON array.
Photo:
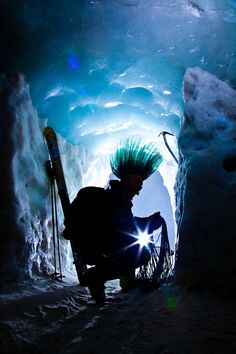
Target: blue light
[{"x": 73, "y": 62}]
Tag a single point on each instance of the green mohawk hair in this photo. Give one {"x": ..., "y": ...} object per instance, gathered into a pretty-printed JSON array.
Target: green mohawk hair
[{"x": 133, "y": 157}]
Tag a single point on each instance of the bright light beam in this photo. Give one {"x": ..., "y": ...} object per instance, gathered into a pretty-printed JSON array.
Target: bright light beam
[{"x": 143, "y": 238}]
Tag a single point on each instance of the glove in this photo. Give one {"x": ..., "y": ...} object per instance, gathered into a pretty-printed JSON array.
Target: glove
[
  {"x": 155, "y": 221},
  {"x": 157, "y": 213}
]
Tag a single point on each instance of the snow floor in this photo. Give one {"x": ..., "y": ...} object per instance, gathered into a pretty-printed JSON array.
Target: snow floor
[{"x": 47, "y": 316}]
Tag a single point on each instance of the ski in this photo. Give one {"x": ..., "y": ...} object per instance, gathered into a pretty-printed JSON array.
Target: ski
[
  {"x": 55, "y": 172},
  {"x": 53, "y": 149}
]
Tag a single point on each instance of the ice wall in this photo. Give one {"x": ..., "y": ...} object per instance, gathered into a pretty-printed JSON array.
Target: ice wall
[
  {"x": 25, "y": 212},
  {"x": 24, "y": 220},
  {"x": 207, "y": 143}
]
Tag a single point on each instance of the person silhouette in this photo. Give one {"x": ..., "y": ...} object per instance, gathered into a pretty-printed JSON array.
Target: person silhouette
[{"x": 110, "y": 240}]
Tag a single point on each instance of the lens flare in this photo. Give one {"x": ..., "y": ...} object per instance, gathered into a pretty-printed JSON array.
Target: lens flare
[
  {"x": 143, "y": 238},
  {"x": 170, "y": 303},
  {"x": 73, "y": 62}
]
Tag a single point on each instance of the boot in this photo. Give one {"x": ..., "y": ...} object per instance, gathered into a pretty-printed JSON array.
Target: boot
[{"x": 95, "y": 284}]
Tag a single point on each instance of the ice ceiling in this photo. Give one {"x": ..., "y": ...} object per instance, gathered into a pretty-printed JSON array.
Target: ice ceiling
[{"x": 99, "y": 70}]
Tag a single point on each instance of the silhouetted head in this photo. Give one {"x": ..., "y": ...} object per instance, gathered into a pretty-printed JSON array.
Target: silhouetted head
[{"x": 132, "y": 185}]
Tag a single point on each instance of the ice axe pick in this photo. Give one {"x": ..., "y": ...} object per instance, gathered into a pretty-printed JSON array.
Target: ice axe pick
[{"x": 164, "y": 133}]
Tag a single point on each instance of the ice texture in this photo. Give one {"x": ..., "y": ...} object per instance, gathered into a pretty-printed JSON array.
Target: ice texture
[
  {"x": 25, "y": 211},
  {"x": 87, "y": 55},
  {"x": 207, "y": 181},
  {"x": 24, "y": 220}
]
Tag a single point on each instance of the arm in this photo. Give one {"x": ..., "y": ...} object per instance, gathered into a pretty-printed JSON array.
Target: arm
[{"x": 149, "y": 223}]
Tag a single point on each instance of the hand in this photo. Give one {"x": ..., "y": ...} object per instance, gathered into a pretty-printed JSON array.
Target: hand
[
  {"x": 157, "y": 213},
  {"x": 155, "y": 221}
]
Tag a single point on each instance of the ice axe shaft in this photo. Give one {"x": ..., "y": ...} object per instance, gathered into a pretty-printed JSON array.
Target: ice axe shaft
[{"x": 164, "y": 133}]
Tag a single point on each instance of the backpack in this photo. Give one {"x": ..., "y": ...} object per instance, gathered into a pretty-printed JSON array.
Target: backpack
[
  {"x": 82, "y": 211},
  {"x": 87, "y": 223}
]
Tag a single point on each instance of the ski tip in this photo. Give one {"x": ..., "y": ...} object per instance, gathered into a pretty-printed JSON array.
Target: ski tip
[
  {"x": 49, "y": 132},
  {"x": 48, "y": 129}
]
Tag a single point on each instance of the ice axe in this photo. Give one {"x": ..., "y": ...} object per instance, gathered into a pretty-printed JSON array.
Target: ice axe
[{"x": 167, "y": 145}]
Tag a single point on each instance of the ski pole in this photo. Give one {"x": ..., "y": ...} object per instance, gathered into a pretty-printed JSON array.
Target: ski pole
[
  {"x": 57, "y": 231},
  {"x": 53, "y": 226},
  {"x": 50, "y": 173}
]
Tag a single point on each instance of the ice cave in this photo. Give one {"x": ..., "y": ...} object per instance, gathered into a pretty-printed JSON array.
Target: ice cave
[{"x": 98, "y": 71}]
